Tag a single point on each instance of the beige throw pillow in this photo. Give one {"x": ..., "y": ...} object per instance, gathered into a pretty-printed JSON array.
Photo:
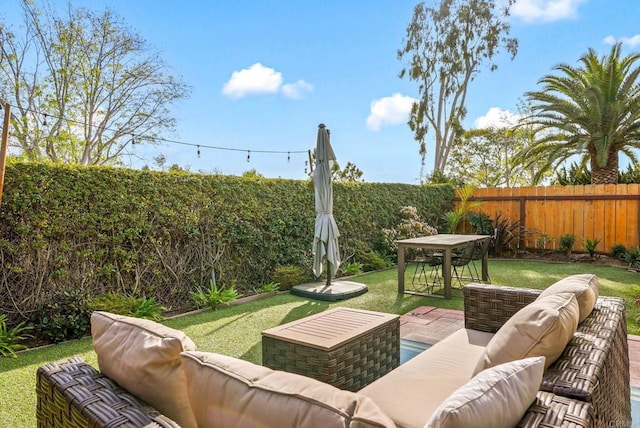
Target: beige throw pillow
[
  {"x": 584, "y": 286},
  {"x": 496, "y": 397},
  {"x": 143, "y": 357},
  {"x": 229, "y": 392},
  {"x": 542, "y": 328}
]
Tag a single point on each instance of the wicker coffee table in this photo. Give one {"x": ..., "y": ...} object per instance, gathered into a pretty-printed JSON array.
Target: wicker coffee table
[{"x": 347, "y": 348}]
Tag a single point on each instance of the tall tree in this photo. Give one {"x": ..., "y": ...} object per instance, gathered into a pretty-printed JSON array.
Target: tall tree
[
  {"x": 445, "y": 46},
  {"x": 484, "y": 158},
  {"x": 592, "y": 111},
  {"x": 85, "y": 86},
  {"x": 487, "y": 157}
]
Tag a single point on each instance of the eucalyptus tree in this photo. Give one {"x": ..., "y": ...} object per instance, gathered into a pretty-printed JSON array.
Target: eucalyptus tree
[
  {"x": 84, "y": 86},
  {"x": 445, "y": 47},
  {"x": 591, "y": 111}
]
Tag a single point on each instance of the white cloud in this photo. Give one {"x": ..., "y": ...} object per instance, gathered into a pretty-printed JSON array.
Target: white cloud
[
  {"x": 261, "y": 80},
  {"x": 296, "y": 90},
  {"x": 389, "y": 111},
  {"x": 497, "y": 118},
  {"x": 626, "y": 41},
  {"x": 254, "y": 80},
  {"x": 545, "y": 10}
]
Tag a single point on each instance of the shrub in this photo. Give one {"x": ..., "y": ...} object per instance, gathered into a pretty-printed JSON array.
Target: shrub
[
  {"x": 453, "y": 218},
  {"x": 267, "y": 288},
  {"x": 64, "y": 225},
  {"x": 121, "y": 304},
  {"x": 567, "y": 241},
  {"x": 288, "y": 276},
  {"x": 543, "y": 240},
  {"x": 410, "y": 226},
  {"x": 214, "y": 296},
  {"x": 146, "y": 307},
  {"x": 62, "y": 316},
  {"x": 505, "y": 235},
  {"x": 372, "y": 261},
  {"x": 632, "y": 257},
  {"x": 10, "y": 338},
  {"x": 618, "y": 251},
  {"x": 590, "y": 245},
  {"x": 481, "y": 222},
  {"x": 116, "y": 303},
  {"x": 349, "y": 269}
]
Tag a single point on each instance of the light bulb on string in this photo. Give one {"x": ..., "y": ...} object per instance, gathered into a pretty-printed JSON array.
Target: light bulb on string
[
  {"x": 248, "y": 155},
  {"x": 133, "y": 139},
  {"x": 44, "y": 121},
  {"x": 288, "y": 156},
  {"x": 198, "y": 150}
]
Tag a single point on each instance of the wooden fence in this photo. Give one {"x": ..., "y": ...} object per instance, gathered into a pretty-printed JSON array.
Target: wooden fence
[{"x": 608, "y": 212}]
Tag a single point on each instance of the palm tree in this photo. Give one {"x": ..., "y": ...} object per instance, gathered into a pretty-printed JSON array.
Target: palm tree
[{"x": 592, "y": 111}]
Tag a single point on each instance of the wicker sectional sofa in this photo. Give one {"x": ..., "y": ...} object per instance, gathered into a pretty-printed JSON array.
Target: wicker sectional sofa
[{"x": 588, "y": 385}]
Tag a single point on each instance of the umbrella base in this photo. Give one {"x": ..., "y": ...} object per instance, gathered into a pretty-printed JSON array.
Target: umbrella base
[{"x": 338, "y": 290}]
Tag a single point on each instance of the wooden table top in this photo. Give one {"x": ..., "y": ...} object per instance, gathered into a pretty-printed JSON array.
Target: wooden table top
[
  {"x": 330, "y": 329},
  {"x": 444, "y": 239}
]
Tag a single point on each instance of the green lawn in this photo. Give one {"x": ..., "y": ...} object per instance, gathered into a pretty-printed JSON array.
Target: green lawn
[{"x": 236, "y": 330}]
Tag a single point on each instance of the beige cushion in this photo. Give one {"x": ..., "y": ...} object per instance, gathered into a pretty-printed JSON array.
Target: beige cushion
[
  {"x": 584, "y": 286},
  {"x": 411, "y": 393},
  {"x": 229, "y": 392},
  {"x": 496, "y": 397},
  {"x": 542, "y": 328},
  {"x": 143, "y": 357}
]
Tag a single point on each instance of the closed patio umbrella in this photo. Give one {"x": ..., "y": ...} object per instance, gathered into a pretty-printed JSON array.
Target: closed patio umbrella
[{"x": 325, "y": 238}]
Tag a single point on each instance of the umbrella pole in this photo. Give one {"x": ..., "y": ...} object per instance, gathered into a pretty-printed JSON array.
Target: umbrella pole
[{"x": 328, "y": 273}]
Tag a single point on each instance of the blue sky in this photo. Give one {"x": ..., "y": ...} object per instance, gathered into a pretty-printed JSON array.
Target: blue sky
[{"x": 264, "y": 74}]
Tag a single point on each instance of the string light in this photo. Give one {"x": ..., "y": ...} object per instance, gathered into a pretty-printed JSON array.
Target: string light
[
  {"x": 166, "y": 140},
  {"x": 133, "y": 139},
  {"x": 288, "y": 156},
  {"x": 44, "y": 121}
]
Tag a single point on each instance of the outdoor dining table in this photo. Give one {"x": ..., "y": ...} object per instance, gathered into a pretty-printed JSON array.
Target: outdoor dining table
[{"x": 445, "y": 242}]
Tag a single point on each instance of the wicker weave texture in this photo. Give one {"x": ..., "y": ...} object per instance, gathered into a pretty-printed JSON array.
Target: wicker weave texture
[
  {"x": 351, "y": 366},
  {"x": 488, "y": 307},
  {"x": 594, "y": 366},
  {"x": 72, "y": 394},
  {"x": 550, "y": 410}
]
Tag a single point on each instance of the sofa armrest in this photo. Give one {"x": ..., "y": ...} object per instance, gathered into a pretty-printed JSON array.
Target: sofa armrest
[
  {"x": 594, "y": 366},
  {"x": 488, "y": 307},
  {"x": 73, "y": 393},
  {"x": 550, "y": 410}
]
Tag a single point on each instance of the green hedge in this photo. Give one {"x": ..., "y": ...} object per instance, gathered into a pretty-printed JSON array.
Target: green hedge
[{"x": 102, "y": 229}]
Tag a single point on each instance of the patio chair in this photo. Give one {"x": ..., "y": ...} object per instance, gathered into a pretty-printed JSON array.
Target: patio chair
[
  {"x": 433, "y": 261},
  {"x": 462, "y": 261},
  {"x": 481, "y": 249}
]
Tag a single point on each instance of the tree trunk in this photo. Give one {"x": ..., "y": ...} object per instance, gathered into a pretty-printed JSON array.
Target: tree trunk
[{"x": 607, "y": 174}]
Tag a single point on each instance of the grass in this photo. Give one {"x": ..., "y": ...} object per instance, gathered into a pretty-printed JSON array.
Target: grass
[{"x": 236, "y": 330}]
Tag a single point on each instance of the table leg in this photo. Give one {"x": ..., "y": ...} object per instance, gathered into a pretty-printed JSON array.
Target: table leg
[
  {"x": 446, "y": 273},
  {"x": 485, "y": 267},
  {"x": 400, "y": 269}
]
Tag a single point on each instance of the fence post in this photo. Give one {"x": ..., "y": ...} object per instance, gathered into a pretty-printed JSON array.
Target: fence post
[{"x": 523, "y": 222}]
